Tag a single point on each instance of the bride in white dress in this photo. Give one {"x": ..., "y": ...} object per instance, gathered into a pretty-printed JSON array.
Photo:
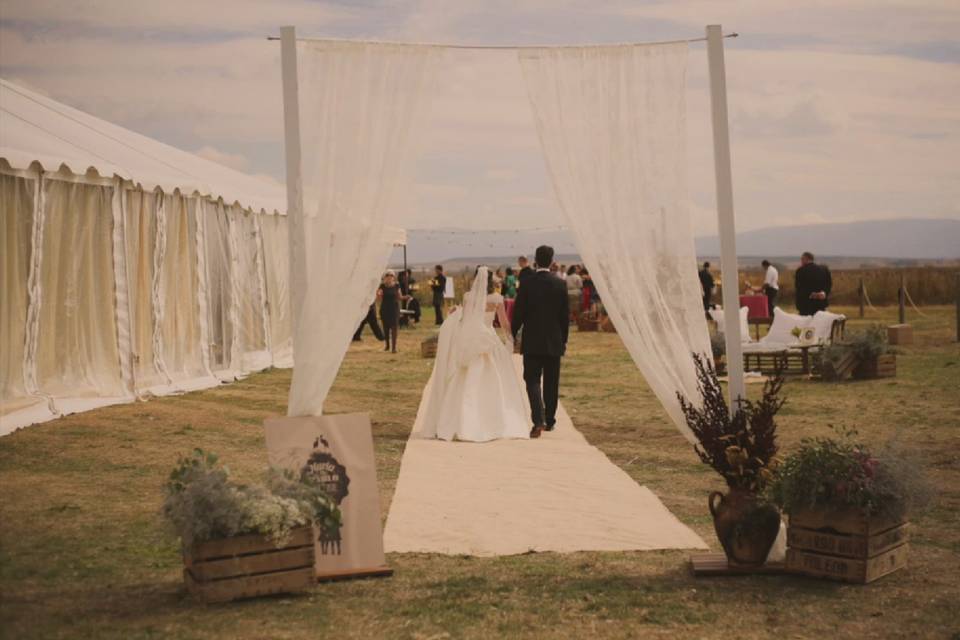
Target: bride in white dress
[{"x": 474, "y": 393}]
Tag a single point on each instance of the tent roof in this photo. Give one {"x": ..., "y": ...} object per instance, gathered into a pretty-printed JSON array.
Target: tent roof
[{"x": 34, "y": 128}]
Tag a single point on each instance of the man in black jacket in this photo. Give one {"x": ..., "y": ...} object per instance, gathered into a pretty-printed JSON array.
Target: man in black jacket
[
  {"x": 706, "y": 284},
  {"x": 542, "y": 311},
  {"x": 525, "y": 270},
  {"x": 812, "y": 283},
  {"x": 439, "y": 286}
]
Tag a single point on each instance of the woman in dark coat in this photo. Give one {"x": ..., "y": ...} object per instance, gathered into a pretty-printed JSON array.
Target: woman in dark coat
[{"x": 390, "y": 296}]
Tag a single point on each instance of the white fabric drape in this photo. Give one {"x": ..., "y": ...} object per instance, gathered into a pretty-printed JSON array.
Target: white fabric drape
[
  {"x": 612, "y": 126},
  {"x": 359, "y": 106}
]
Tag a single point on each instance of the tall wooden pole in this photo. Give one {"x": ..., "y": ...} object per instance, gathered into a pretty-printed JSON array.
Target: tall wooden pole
[
  {"x": 958, "y": 307},
  {"x": 903, "y": 298},
  {"x": 725, "y": 217},
  {"x": 291, "y": 137},
  {"x": 860, "y": 295}
]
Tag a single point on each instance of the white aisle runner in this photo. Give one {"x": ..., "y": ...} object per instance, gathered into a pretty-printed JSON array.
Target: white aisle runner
[{"x": 557, "y": 493}]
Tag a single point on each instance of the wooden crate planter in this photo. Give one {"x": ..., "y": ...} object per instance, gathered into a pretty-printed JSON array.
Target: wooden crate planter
[
  {"x": 845, "y": 545},
  {"x": 249, "y": 566},
  {"x": 606, "y": 325},
  {"x": 428, "y": 348},
  {"x": 842, "y": 369},
  {"x": 884, "y": 366},
  {"x": 900, "y": 334},
  {"x": 586, "y": 323}
]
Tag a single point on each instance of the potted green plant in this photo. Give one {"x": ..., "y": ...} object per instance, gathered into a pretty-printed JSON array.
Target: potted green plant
[
  {"x": 742, "y": 448},
  {"x": 864, "y": 354},
  {"x": 847, "y": 506},
  {"x": 244, "y": 539}
]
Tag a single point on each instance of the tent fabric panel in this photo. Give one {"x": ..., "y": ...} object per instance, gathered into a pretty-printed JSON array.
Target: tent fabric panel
[
  {"x": 250, "y": 305},
  {"x": 16, "y": 230},
  {"x": 220, "y": 293},
  {"x": 140, "y": 218},
  {"x": 274, "y": 230},
  {"x": 77, "y": 351},
  {"x": 180, "y": 326}
]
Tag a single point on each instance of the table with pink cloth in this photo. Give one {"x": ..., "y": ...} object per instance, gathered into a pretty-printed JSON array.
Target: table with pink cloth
[{"x": 757, "y": 306}]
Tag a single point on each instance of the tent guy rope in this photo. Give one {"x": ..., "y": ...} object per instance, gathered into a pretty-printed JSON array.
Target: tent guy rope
[{"x": 503, "y": 47}]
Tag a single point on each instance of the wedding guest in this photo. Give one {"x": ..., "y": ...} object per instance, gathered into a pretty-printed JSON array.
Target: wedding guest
[
  {"x": 497, "y": 277},
  {"x": 555, "y": 269},
  {"x": 587, "y": 290},
  {"x": 812, "y": 283},
  {"x": 706, "y": 285},
  {"x": 525, "y": 270},
  {"x": 370, "y": 319},
  {"x": 574, "y": 291},
  {"x": 438, "y": 285},
  {"x": 510, "y": 284},
  {"x": 771, "y": 285},
  {"x": 390, "y": 295}
]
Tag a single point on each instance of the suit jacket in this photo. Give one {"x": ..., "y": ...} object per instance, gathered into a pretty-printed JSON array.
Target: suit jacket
[
  {"x": 542, "y": 310},
  {"x": 439, "y": 288},
  {"x": 706, "y": 281},
  {"x": 810, "y": 278},
  {"x": 525, "y": 273}
]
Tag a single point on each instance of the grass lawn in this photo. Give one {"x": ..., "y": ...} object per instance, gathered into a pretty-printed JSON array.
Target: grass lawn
[{"x": 84, "y": 553}]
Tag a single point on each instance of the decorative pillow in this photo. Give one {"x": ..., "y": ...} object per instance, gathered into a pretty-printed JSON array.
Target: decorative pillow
[
  {"x": 783, "y": 325},
  {"x": 717, "y": 315},
  {"x": 822, "y": 324}
]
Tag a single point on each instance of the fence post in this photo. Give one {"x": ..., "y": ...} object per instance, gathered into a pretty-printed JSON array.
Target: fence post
[
  {"x": 860, "y": 295},
  {"x": 903, "y": 298}
]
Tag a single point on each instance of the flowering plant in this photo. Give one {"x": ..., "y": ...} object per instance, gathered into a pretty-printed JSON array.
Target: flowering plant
[{"x": 840, "y": 473}]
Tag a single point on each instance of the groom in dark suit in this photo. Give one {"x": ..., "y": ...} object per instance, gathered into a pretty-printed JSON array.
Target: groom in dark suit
[{"x": 542, "y": 311}]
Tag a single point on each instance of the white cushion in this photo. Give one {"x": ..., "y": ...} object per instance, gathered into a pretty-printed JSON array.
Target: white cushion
[
  {"x": 822, "y": 324},
  {"x": 783, "y": 325},
  {"x": 717, "y": 315}
]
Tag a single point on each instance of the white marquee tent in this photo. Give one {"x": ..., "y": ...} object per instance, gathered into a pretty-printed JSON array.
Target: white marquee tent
[{"x": 128, "y": 267}]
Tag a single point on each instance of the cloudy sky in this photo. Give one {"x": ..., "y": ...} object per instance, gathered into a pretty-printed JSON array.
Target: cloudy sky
[{"x": 840, "y": 110}]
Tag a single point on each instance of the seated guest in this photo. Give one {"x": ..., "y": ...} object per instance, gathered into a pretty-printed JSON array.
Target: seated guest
[{"x": 812, "y": 283}]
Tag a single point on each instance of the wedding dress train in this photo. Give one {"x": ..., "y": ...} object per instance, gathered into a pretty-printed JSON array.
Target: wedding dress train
[{"x": 474, "y": 393}]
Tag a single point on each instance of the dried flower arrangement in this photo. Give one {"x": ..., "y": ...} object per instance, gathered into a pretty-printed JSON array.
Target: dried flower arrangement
[
  {"x": 203, "y": 503},
  {"x": 743, "y": 447}
]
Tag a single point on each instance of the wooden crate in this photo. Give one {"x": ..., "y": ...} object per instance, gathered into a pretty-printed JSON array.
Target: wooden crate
[
  {"x": 586, "y": 323},
  {"x": 428, "y": 348},
  {"x": 841, "y": 369},
  {"x": 249, "y": 566},
  {"x": 884, "y": 366},
  {"x": 900, "y": 334},
  {"x": 606, "y": 325},
  {"x": 860, "y": 571},
  {"x": 845, "y": 545}
]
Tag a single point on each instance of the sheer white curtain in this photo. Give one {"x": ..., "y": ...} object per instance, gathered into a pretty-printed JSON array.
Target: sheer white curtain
[
  {"x": 359, "y": 106},
  {"x": 612, "y": 124}
]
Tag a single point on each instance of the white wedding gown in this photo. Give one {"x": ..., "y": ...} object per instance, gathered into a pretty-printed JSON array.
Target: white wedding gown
[{"x": 474, "y": 393}]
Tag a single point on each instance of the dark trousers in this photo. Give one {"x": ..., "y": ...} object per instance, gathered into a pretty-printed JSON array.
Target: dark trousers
[
  {"x": 371, "y": 319},
  {"x": 543, "y": 405},
  {"x": 438, "y": 310},
  {"x": 706, "y": 301},
  {"x": 772, "y": 300}
]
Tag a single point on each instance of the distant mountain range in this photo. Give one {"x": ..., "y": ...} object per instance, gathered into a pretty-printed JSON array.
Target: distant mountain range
[
  {"x": 879, "y": 241},
  {"x": 933, "y": 239}
]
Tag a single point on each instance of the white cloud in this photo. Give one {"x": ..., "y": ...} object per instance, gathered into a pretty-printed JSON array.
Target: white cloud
[
  {"x": 822, "y": 121},
  {"x": 233, "y": 160}
]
